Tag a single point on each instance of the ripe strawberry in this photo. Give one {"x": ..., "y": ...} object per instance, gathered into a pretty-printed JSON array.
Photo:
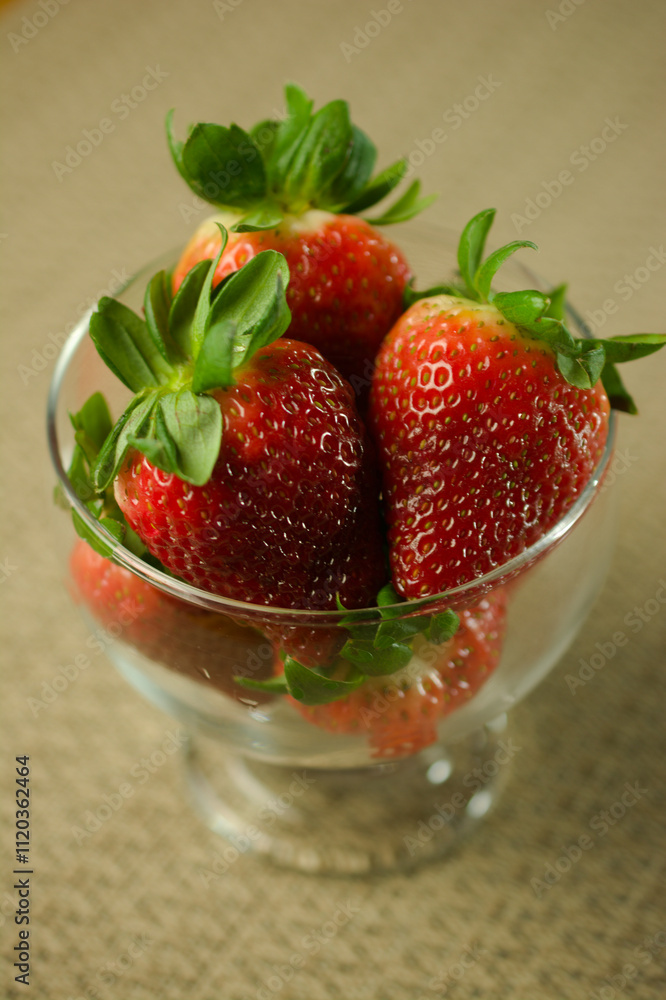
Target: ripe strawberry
[
  {"x": 296, "y": 186},
  {"x": 211, "y": 648},
  {"x": 281, "y": 508},
  {"x": 346, "y": 286},
  {"x": 489, "y": 420},
  {"x": 400, "y": 713},
  {"x": 241, "y": 463}
]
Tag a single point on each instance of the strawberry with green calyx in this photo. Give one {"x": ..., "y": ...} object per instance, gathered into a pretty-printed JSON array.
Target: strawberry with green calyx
[
  {"x": 209, "y": 647},
  {"x": 241, "y": 462},
  {"x": 297, "y": 186},
  {"x": 380, "y": 643},
  {"x": 489, "y": 417},
  {"x": 399, "y": 713}
]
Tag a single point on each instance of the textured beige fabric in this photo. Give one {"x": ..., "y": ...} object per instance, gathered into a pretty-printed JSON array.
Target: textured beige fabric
[{"x": 126, "y": 913}]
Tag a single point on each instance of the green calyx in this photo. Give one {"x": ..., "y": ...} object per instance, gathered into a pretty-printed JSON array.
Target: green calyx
[
  {"x": 188, "y": 345},
  {"x": 285, "y": 167},
  {"x": 376, "y": 647},
  {"x": 582, "y": 361},
  {"x": 92, "y": 426}
]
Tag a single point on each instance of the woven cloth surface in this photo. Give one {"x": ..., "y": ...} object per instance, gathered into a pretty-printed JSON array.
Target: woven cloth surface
[{"x": 523, "y": 92}]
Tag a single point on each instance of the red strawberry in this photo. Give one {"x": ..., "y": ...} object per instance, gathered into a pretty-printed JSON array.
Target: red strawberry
[
  {"x": 489, "y": 421},
  {"x": 346, "y": 287},
  {"x": 210, "y": 647},
  {"x": 296, "y": 186},
  {"x": 400, "y": 713},
  {"x": 241, "y": 463},
  {"x": 279, "y": 514}
]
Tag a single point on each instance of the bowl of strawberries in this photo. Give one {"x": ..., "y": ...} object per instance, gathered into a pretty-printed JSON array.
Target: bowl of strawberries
[{"x": 335, "y": 524}]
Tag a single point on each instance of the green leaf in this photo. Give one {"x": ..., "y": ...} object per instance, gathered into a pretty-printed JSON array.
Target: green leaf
[
  {"x": 618, "y": 395},
  {"x": 297, "y": 102},
  {"x": 471, "y": 246},
  {"x": 131, "y": 424},
  {"x": 387, "y": 597},
  {"x": 184, "y": 306},
  {"x": 155, "y": 442},
  {"x": 102, "y": 548},
  {"x": 356, "y": 172},
  {"x": 213, "y": 367},
  {"x": 272, "y": 685},
  {"x": 263, "y": 217},
  {"x": 485, "y": 274},
  {"x": 406, "y": 207},
  {"x": 184, "y": 436},
  {"x": 574, "y": 371},
  {"x": 92, "y": 425},
  {"x": 156, "y": 305},
  {"x": 288, "y": 136},
  {"x": 377, "y": 662},
  {"x": 411, "y": 295},
  {"x": 78, "y": 474},
  {"x": 379, "y": 188},
  {"x": 320, "y": 155},
  {"x": 253, "y": 302},
  {"x": 554, "y": 333},
  {"x": 176, "y": 148},
  {"x": 124, "y": 343},
  {"x": 264, "y": 135},
  {"x": 202, "y": 312},
  {"x": 521, "y": 308},
  {"x": 631, "y": 346},
  {"x": 443, "y": 627},
  {"x": 313, "y": 688},
  {"x": 593, "y": 359},
  {"x": 393, "y": 630},
  {"x": 223, "y": 166},
  {"x": 557, "y": 307}
]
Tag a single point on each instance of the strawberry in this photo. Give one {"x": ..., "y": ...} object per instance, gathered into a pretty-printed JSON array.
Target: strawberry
[
  {"x": 400, "y": 713},
  {"x": 489, "y": 418},
  {"x": 211, "y": 648},
  {"x": 296, "y": 187},
  {"x": 241, "y": 462}
]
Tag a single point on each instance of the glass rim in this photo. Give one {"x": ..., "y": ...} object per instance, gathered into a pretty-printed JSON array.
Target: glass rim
[{"x": 214, "y": 602}]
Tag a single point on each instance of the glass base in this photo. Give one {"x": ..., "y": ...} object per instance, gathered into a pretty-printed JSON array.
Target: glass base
[{"x": 383, "y": 818}]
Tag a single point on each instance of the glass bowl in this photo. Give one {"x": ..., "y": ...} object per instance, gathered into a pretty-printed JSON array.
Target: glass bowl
[{"x": 271, "y": 778}]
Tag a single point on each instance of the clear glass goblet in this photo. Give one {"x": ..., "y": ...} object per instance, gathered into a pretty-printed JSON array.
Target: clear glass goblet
[{"x": 261, "y": 773}]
